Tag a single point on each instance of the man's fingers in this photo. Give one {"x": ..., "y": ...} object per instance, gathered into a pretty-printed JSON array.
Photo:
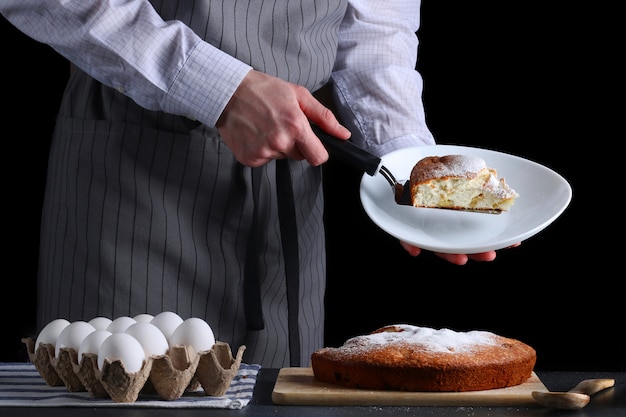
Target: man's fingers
[
  {"x": 453, "y": 258},
  {"x": 306, "y": 145},
  {"x": 321, "y": 115}
]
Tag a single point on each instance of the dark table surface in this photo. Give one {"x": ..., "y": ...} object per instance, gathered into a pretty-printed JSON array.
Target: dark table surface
[{"x": 607, "y": 403}]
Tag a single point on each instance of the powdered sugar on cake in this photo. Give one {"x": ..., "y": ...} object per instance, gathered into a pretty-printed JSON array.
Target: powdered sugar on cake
[
  {"x": 498, "y": 187},
  {"x": 432, "y": 340},
  {"x": 457, "y": 166}
]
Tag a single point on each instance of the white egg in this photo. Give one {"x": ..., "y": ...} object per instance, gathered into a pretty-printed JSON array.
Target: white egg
[
  {"x": 92, "y": 343},
  {"x": 73, "y": 335},
  {"x": 100, "y": 323},
  {"x": 143, "y": 318},
  {"x": 194, "y": 332},
  {"x": 151, "y": 338},
  {"x": 50, "y": 333},
  {"x": 167, "y": 322},
  {"x": 120, "y": 324},
  {"x": 124, "y": 347}
]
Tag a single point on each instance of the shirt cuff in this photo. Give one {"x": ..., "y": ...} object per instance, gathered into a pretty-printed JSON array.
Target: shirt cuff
[{"x": 205, "y": 84}]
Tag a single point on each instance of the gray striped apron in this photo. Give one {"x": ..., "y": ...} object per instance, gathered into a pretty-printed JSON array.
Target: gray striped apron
[{"x": 146, "y": 212}]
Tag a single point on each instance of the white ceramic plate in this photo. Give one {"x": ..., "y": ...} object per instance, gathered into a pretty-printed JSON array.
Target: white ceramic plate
[{"x": 544, "y": 195}]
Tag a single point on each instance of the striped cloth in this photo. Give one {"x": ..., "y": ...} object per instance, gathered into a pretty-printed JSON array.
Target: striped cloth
[{"x": 22, "y": 386}]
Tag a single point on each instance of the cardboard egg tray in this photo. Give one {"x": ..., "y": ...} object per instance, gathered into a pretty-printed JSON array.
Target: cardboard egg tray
[{"x": 169, "y": 376}]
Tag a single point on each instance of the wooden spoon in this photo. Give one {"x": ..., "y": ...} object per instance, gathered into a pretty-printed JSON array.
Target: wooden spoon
[{"x": 574, "y": 399}]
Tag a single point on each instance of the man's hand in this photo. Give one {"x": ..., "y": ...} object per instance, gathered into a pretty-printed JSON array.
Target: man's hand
[
  {"x": 457, "y": 259},
  {"x": 268, "y": 118}
]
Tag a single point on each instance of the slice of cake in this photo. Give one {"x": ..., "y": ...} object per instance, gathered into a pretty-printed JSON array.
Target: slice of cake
[
  {"x": 459, "y": 182},
  {"x": 411, "y": 358}
]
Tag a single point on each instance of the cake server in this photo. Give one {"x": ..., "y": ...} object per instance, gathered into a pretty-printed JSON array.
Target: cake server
[
  {"x": 574, "y": 399},
  {"x": 358, "y": 158},
  {"x": 349, "y": 153}
]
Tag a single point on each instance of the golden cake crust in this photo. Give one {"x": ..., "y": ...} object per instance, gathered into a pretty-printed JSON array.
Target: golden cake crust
[
  {"x": 441, "y": 167},
  {"x": 411, "y": 358}
]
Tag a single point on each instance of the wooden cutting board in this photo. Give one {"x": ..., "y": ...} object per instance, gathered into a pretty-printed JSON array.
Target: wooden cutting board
[{"x": 298, "y": 386}]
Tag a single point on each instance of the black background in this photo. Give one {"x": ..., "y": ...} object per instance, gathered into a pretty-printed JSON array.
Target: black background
[{"x": 500, "y": 75}]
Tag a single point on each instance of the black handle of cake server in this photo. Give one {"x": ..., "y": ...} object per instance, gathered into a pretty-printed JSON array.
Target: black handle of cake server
[{"x": 348, "y": 152}]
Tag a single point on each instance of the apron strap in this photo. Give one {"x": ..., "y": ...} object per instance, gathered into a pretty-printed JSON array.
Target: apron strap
[
  {"x": 251, "y": 282},
  {"x": 289, "y": 242},
  {"x": 289, "y": 239}
]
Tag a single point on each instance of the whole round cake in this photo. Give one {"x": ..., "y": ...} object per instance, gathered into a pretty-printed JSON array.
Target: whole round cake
[{"x": 411, "y": 358}]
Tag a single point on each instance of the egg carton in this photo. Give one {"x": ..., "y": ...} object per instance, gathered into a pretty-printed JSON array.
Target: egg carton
[{"x": 169, "y": 376}]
